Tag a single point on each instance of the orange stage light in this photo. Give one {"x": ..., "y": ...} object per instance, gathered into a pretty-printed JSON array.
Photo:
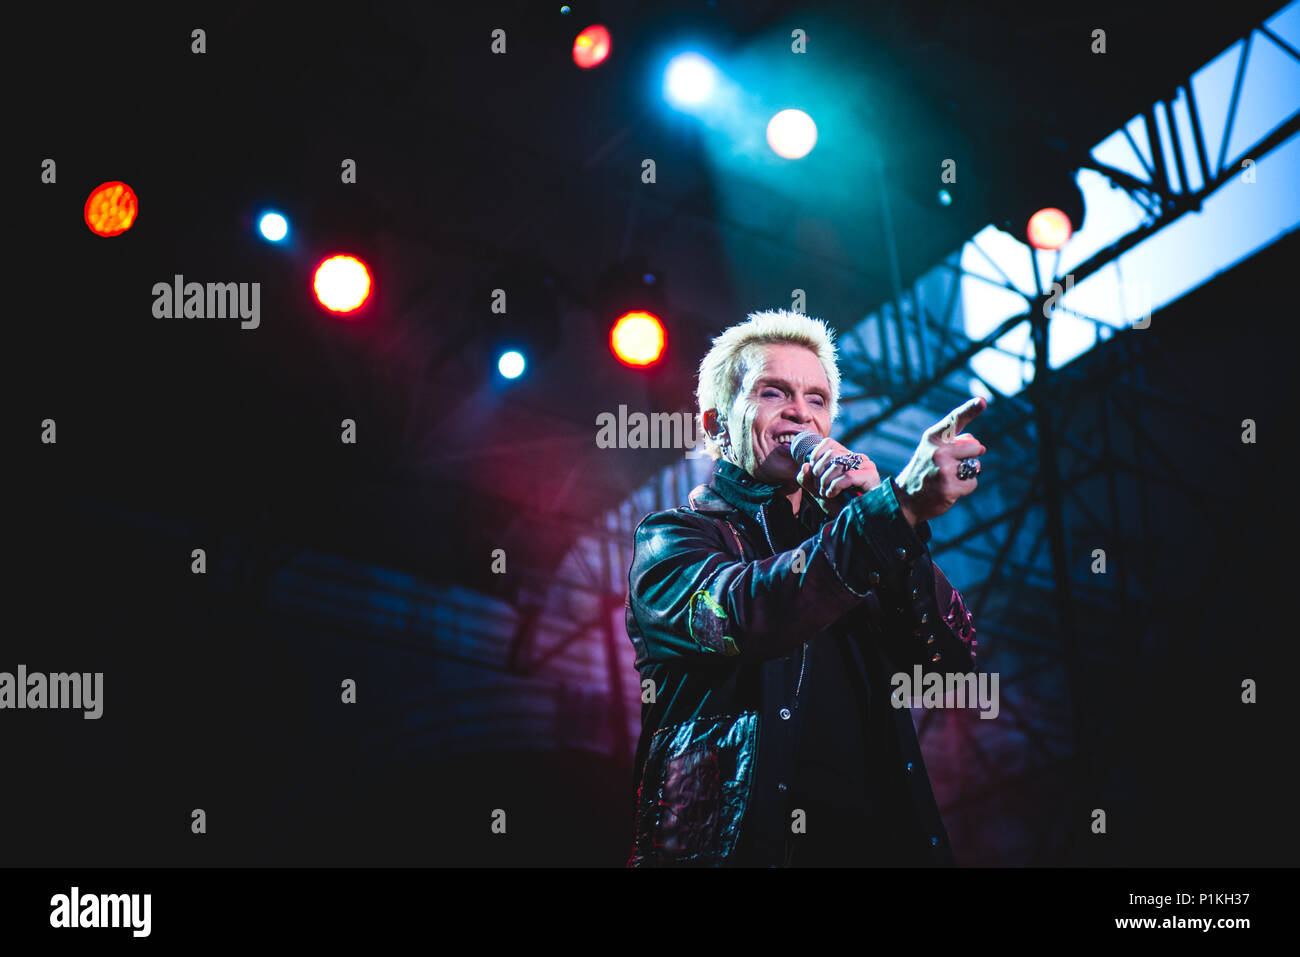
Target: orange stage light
[
  {"x": 591, "y": 47},
  {"x": 1049, "y": 229},
  {"x": 111, "y": 209},
  {"x": 637, "y": 339},
  {"x": 342, "y": 283}
]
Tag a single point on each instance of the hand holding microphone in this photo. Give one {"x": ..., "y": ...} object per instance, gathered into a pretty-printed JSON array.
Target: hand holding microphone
[
  {"x": 831, "y": 472},
  {"x": 943, "y": 469}
]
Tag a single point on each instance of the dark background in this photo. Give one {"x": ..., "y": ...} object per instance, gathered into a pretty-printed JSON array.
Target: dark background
[{"x": 221, "y": 691}]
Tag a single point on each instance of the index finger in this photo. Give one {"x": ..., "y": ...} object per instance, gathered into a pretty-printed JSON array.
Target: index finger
[{"x": 960, "y": 417}]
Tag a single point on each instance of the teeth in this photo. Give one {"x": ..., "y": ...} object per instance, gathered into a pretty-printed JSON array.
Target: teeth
[{"x": 785, "y": 439}]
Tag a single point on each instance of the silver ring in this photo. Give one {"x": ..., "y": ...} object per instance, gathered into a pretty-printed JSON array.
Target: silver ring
[
  {"x": 848, "y": 462},
  {"x": 968, "y": 468}
]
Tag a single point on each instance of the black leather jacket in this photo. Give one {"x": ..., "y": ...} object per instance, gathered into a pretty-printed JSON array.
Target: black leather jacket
[{"x": 720, "y": 622}]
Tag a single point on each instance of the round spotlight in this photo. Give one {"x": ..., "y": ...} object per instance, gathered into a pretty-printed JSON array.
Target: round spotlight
[
  {"x": 591, "y": 47},
  {"x": 689, "y": 79},
  {"x": 945, "y": 197},
  {"x": 792, "y": 134},
  {"x": 511, "y": 364},
  {"x": 637, "y": 338},
  {"x": 273, "y": 227},
  {"x": 342, "y": 283},
  {"x": 1049, "y": 229},
  {"x": 111, "y": 209}
]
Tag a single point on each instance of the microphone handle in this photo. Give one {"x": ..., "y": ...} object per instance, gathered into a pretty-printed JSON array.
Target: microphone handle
[{"x": 803, "y": 446}]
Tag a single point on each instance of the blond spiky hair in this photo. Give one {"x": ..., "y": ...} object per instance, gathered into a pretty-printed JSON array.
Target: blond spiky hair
[{"x": 722, "y": 371}]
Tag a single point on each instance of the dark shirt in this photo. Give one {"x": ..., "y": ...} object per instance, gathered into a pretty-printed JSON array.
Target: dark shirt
[{"x": 831, "y": 783}]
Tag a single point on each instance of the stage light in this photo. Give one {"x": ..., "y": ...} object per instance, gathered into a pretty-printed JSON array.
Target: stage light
[
  {"x": 111, "y": 209},
  {"x": 525, "y": 318},
  {"x": 1046, "y": 208},
  {"x": 273, "y": 227},
  {"x": 792, "y": 134},
  {"x": 591, "y": 48},
  {"x": 945, "y": 197},
  {"x": 637, "y": 338},
  {"x": 689, "y": 79},
  {"x": 511, "y": 364},
  {"x": 342, "y": 283},
  {"x": 1049, "y": 228}
]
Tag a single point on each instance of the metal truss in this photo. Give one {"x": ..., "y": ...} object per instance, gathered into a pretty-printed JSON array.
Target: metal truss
[
  {"x": 1072, "y": 450},
  {"x": 1034, "y": 489},
  {"x": 1056, "y": 485}
]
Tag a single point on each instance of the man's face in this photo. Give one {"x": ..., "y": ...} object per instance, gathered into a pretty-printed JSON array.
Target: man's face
[{"x": 785, "y": 392}]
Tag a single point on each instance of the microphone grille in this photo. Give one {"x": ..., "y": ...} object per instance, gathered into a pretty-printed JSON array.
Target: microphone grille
[{"x": 802, "y": 445}]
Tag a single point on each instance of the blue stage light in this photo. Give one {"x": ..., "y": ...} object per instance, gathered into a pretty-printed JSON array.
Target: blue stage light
[
  {"x": 689, "y": 79},
  {"x": 511, "y": 364},
  {"x": 792, "y": 134},
  {"x": 274, "y": 227}
]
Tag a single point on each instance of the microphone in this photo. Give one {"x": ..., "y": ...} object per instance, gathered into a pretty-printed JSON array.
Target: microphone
[{"x": 801, "y": 448}]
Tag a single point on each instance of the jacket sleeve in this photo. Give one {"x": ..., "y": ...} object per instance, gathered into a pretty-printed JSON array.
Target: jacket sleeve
[
  {"x": 693, "y": 599},
  {"x": 926, "y": 622}
]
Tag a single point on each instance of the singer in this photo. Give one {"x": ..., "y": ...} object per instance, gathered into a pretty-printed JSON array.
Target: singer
[{"x": 769, "y": 613}]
